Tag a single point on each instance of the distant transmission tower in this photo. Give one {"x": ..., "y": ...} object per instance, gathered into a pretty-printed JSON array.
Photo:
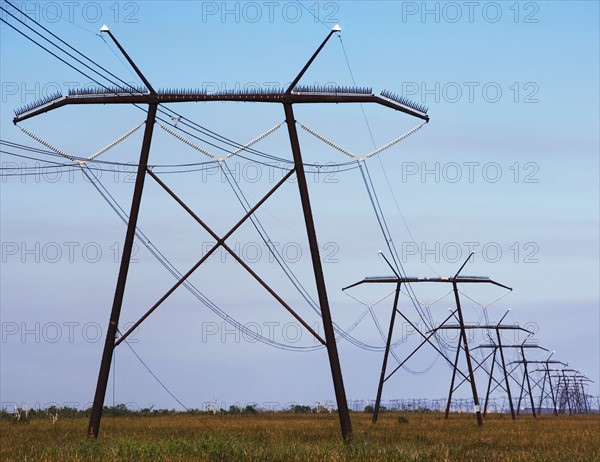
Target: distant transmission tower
[
  {"x": 495, "y": 348},
  {"x": 463, "y": 344}
]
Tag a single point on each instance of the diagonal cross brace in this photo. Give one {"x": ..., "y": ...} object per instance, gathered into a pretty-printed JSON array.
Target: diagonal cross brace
[
  {"x": 480, "y": 365},
  {"x": 426, "y": 340},
  {"x": 220, "y": 243}
]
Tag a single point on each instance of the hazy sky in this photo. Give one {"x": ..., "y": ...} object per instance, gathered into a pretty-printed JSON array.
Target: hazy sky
[{"x": 508, "y": 166}]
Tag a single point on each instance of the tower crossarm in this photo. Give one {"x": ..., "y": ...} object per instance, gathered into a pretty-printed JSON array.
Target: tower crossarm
[
  {"x": 303, "y": 95},
  {"x": 411, "y": 280}
]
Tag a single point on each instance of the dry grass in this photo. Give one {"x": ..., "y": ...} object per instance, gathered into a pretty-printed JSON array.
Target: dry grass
[{"x": 289, "y": 437}]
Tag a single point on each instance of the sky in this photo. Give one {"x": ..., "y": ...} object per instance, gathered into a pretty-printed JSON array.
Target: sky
[{"x": 507, "y": 166}]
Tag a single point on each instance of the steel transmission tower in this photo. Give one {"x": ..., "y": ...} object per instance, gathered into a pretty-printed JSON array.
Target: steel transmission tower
[{"x": 292, "y": 95}]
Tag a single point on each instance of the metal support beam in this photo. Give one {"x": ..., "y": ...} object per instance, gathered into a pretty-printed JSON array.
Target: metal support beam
[
  {"x": 585, "y": 401},
  {"x": 111, "y": 332},
  {"x": 335, "y": 29},
  {"x": 510, "y": 400},
  {"x": 555, "y": 410},
  {"x": 334, "y": 361},
  {"x": 566, "y": 392},
  {"x": 542, "y": 393},
  {"x": 528, "y": 382},
  {"x": 521, "y": 395},
  {"x": 454, "y": 369},
  {"x": 129, "y": 60},
  {"x": 487, "y": 394},
  {"x": 385, "y": 355},
  {"x": 467, "y": 354}
]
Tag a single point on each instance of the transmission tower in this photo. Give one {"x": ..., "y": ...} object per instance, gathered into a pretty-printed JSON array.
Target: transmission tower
[
  {"x": 547, "y": 378},
  {"x": 495, "y": 348},
  {"x": 463, "y": 342},
  {"x": 294, "y": 94},
  {"x": 570, "y": 391}
]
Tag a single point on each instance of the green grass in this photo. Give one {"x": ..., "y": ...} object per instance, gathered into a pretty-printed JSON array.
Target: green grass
[{"x": 290, "y": 437}]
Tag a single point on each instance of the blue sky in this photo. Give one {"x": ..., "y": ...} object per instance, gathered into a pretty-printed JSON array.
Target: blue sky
[{"x": 508, "y": 165}]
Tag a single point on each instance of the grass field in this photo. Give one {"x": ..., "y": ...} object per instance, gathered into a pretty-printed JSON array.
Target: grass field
[{"x": 297, "y": 437}]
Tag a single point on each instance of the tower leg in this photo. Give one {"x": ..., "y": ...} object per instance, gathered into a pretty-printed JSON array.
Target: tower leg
[
  {"x": 487, "y": 394},
  {"x": 510, "y": 400},
  {"x": 452, "y": 381},
  {"x": 385, "y": 357},
  {"x": 334, "y": 361},
  {"x": 528, "y": 383},
  {"x": 111, "y": 332},
  {"x": 521, "y": 395},
  {"x": 467, "y": 356}
]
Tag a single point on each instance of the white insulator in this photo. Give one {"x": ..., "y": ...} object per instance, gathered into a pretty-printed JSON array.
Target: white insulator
[
  {"x": 221, "y": 158},
  {"x": 254, "y": 141},
  {"x": 186, "y": 141},
  {"x": 326, "y": 141},
  {"x": 45, "y": 143},
  {"x": 393, "y": 142},
  {"x": 371, "y": 154},
  {"x": 74, "y": 159},
  {"x": 114, "y": 143}
]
